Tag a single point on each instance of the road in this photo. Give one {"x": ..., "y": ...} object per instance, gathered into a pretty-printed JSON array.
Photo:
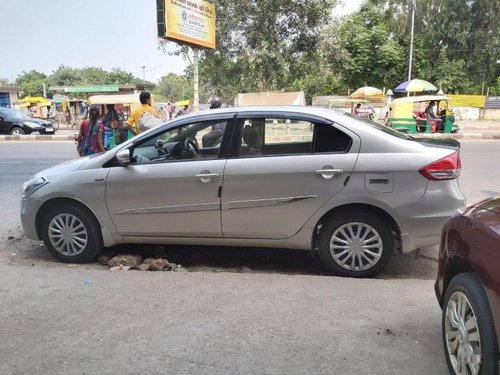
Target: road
[{"x": 56, "y": 319}]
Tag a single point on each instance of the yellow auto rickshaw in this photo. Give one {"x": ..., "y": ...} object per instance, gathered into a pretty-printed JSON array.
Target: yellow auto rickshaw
[{"x": 408, "y": 115}]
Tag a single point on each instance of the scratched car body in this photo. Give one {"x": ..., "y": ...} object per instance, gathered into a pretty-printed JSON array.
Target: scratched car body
[{"x": 282, "y": 177}]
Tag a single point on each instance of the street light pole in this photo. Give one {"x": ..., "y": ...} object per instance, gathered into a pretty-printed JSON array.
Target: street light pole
[
  {"x": 143, "y": 73},
  {"x": 413, "y": 7},
  {"x": 196, "y": 99}
]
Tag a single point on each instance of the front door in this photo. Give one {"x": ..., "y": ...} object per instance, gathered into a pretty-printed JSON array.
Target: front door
[
  {"x": 172, "y": 187},
  {"x": 286, "y": 170}
]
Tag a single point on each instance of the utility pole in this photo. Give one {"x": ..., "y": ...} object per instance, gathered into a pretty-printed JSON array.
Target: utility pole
[
  {"x": 143, "y": 73},
  {"x": 413, "y": 8},
  {"x": 196, "y": 99}
]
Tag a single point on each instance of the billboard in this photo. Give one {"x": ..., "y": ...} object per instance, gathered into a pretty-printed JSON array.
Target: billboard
[{"x": 190, "y": 22}]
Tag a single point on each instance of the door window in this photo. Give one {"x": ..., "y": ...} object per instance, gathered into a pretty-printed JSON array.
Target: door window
[
  {"x": 276, "y": 137},
  {"x": 187, "y": 142},
  {"x": 288, "y": 137}
]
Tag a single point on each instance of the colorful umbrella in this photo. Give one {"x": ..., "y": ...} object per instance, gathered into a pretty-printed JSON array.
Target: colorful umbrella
[
  {"x": 365, "y": 91},
  {"x": 415, "y": 85}
]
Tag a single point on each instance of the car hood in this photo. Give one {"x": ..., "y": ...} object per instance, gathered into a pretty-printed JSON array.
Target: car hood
[
  {"x": 490, "y": 204},
  {"x": 67, "y": 166},
  {"x": 487, "y": 213},
  {"x": 35, "y": 120}
]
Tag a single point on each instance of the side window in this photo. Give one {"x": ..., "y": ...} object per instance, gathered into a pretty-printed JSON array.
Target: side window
[
  {"x": 273, "y": 136},
  {"x": 328, "y": 138},
  {"x": 194, "y": 141}
]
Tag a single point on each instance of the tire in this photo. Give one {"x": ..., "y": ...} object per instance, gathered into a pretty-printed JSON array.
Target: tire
[
  {"x": 16, "y": 130},
  {"x": 479, "y": 342},
  {"x": 340, "y": 236},
  {"x": 82, "y": 229}
]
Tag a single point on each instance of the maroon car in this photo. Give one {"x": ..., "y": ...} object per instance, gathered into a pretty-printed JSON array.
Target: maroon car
[{"x": 468, "y": 289}]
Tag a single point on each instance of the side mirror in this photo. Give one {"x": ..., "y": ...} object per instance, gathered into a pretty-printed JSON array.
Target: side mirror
[
  {"x": 1, "y": 119},
  {"x": 123, "y": 157}
]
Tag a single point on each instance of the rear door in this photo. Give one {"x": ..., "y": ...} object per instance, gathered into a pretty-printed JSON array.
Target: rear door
[{"x": 287, "y": 167}]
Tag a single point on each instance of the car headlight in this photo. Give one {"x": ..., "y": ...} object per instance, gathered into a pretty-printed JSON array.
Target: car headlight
[
  {"x": 32, "y": 124},
  {"x": 31, "y": 186}
]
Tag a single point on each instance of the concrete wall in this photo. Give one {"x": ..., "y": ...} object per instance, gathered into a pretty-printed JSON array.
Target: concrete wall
[
  {"x": 490, "y": 114},
  {"x": 466, "y": 113}
]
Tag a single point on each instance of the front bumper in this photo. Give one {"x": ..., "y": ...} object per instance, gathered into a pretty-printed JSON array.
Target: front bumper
[{"x": 29, "y": 209}]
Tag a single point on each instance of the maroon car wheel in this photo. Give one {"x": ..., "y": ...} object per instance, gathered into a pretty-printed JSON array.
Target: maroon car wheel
[{"x": 469, "y": 338}]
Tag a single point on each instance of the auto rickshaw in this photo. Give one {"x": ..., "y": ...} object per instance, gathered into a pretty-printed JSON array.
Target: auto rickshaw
[
  {"x": 348, "y": 105},
  {"x": 408, "y": 115}
]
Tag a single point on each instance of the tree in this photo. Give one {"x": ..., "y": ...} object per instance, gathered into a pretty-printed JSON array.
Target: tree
[
  {"x": 465, "y": 30},
  {"x": 363, "y": 50},
  {"x": 118, "y": 76},
  {"x": 174, "y": 87},
  {"x": 259, "y": 42},
  {"x": 65, "y": 76},
  {"x": 31, "y": 83}
]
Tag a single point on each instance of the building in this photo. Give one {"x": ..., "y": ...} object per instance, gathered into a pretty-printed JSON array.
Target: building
[
  {"x": 9, "y": 96},
  {"x": 88, "y": 90}
]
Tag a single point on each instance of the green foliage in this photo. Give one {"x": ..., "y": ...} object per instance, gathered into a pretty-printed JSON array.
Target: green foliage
[
  {"x": 363, "y": 50},
  {"x": 4, "y": 82},
  {"x": 457, "y": 42},
  {"x": 31, "y": 83},
  {"x": 173, "y": 87}
]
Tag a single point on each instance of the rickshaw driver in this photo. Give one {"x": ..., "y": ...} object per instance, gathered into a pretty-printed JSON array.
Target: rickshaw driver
[{"x": 429, "y": 110}]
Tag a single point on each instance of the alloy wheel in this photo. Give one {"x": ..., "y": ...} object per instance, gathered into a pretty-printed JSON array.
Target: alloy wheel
[
  {"x": 462, "y": 335},
  {"x": 17, "y": 131},
  {"x": 68, "y": 234},
  {"x": 356, "y": 246}
]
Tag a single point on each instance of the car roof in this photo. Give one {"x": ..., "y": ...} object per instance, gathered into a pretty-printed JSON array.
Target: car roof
[{"x": 327, "y": 113}]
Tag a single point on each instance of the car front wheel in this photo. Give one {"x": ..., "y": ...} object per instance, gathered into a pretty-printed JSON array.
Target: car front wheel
[
  {"x": 71, "y": 233},
  {"x": 356, "y": 243},
  {"x": 17, "y": 131},
  {"x": 469, "y": 337}
]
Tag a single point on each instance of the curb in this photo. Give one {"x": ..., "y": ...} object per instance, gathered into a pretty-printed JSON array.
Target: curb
[
  {"x": 464, "y": 136},
  {"x": 37, "y": 138}
]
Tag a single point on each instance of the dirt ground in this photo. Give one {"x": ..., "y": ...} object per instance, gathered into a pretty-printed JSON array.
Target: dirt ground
[{"x": 15, "y": 248}]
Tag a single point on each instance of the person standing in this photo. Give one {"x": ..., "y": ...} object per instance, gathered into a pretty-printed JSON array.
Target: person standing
[
  {"x": 133, "y": 122},
  {"x": 111, "y": 127},
  {"x": 170, "y": 111},
  {"x": 90, "y": 139}
]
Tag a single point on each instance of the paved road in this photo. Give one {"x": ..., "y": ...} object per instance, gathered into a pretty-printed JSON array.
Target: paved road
[{"x": 211, "y": 322}]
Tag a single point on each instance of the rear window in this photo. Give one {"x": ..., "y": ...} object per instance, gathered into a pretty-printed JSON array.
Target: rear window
[{"x": 380, "y": 127}]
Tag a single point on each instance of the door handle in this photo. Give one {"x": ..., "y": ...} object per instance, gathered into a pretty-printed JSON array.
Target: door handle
[
  {"x": 328, "y": 172},
  {"x": 206, "y": 176}
]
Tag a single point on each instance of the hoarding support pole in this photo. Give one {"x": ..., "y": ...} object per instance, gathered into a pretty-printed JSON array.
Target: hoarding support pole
[{"x": 196, "y": 99}]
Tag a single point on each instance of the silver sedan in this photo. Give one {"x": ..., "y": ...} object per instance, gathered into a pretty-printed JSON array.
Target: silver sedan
[{"x": 291, "y": 177}]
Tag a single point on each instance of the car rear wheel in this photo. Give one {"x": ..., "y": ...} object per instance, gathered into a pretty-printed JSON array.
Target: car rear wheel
[
  {"x": 71, "y": 234},
  {"x": 469, "y": 337},
  {"x": 17, "y": 131},
  {"x": 356, "y": 243}
]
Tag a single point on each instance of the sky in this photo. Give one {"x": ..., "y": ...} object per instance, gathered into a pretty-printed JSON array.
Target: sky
[{"x": 42, "y": 35}]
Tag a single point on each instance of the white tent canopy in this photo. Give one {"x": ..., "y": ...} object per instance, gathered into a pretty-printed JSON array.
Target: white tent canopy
[{"x": 271, "y": 98}]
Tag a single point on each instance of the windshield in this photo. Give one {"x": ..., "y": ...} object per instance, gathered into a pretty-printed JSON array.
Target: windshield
[
  {"x": 380, "y": 127},
  {"x": 13, "y": 113}
]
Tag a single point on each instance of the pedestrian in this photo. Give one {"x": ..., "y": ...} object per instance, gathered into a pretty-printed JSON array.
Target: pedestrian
[
  {"x": 137, "y": 120},
  {"x": 110, "y": 119},
  {"x": 170, "y": 111},
  {"x": 90, "y": 139}
]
